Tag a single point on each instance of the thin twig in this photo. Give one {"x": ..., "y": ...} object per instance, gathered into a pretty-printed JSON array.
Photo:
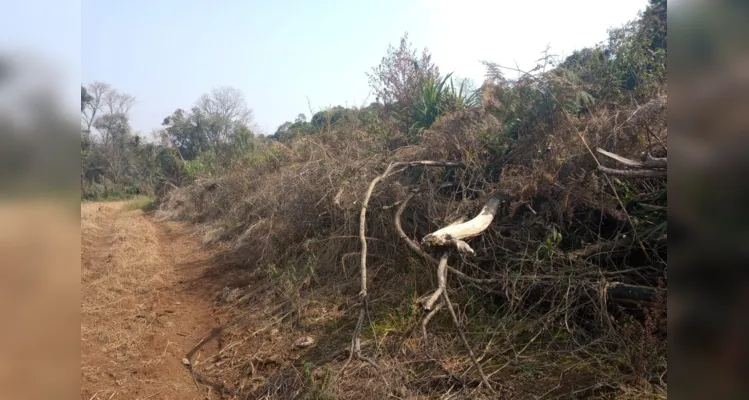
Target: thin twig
[{"x": 462, "y": 335}]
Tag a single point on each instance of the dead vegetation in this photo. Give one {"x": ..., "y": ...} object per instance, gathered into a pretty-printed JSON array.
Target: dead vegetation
[
  {"x": 351, "y": 232},
  {"x": 564, "y": 295}
]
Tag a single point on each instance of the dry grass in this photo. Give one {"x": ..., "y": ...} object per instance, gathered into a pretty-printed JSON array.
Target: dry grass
[
  {"x": 133, "y": 331},
  {"x": 120, "y": 276},
  {"x": 543, "y": 327}
]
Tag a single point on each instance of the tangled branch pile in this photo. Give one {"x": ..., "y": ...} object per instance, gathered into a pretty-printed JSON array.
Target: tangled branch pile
[{"x": 564, "y": 294}]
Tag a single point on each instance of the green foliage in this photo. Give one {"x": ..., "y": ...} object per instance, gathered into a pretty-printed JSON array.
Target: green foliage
[
  {"x": 398, "y": 320},
  {"x": 322, "y": 121},
  {"x": 462, "y": 98},
  {"x": 289, "y": 131},
  {"x": 106, "y": 190},
  {"x": 186, "y": 131},
  {"x": 319, "y": 381},
  {"x": 429, "y": 105},
  {"x": 436, "y": 99},
  {"x": 531, "y": 102},
  {"x": 553, "y": 238},
  {"x": 169, "y": 165},
  {"x": 86, "y": 98},
  {"x": 333, "y": 117},
  {"x": 631, "y": 63}
]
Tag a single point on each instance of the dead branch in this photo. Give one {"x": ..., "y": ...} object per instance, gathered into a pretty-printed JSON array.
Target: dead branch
[
  {"x": 608, "y": 181},
  {"x": 601, "y": 248},
  {"x": 648, "y": 161},
  {"x": 645, "y": 173},
  {"x": 454, "y": 234},
  {"x": 655, "y": 162},
  {"x": 418, "y": 250},
  {"x": 428, "y": 318},
  {"x": 442, "y": 281},
  {"x": 391, "y": 169}
]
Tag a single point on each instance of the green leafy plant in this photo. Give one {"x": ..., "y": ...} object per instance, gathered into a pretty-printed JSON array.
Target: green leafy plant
[{"x": 430, "y": 104}]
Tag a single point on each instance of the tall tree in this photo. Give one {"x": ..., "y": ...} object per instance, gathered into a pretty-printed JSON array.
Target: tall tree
[
  {"x": 185, "y": 131},
  {"x": 101, "y": 99},
  {"x": 224, "y": 112},
  {"x": 91, "y": 109},
  {"x": 115, "y": 135}
]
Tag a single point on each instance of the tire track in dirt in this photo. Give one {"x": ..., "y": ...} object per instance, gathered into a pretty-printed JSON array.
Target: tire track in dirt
[{"x": 145, "y": 303}]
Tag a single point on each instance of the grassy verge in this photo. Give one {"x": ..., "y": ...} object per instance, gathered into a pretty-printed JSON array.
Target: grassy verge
[{"x": 139, "y": 202}]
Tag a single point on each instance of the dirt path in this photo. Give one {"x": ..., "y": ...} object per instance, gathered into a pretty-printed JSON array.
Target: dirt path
[{"x": 144, "y": 305}]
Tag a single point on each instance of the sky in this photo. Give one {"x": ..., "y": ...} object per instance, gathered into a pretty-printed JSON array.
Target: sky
[{"x": 290, "y": 56}]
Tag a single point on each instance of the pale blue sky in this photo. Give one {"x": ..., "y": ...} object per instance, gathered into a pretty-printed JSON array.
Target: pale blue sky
[{"x": 167, "y": 53}]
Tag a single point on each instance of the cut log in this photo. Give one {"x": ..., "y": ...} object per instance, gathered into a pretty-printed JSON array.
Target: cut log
[{"x": 454, "y": 235}]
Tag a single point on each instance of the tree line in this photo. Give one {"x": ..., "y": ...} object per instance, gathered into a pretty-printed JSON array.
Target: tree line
[{"x": 410, "y": 95}]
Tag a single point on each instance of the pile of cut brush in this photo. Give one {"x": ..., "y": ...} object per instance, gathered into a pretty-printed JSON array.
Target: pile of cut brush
[{"x": 446, "y": 267}]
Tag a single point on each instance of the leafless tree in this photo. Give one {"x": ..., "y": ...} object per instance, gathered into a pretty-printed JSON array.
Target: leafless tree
[
  {"x": 118, "y": 103},
  {"x": 224, "y": 109},
  {"x": 226, "y": 102},
  {"x": 98, "y": 91},
  {"x": 105, "y": 101}
]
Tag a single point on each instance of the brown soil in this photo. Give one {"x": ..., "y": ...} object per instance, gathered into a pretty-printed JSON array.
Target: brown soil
[{"x": 144, "y": 305}]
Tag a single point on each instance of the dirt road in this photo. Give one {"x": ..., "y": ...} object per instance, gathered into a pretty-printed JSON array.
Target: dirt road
[{"x": 144, "y": 305}]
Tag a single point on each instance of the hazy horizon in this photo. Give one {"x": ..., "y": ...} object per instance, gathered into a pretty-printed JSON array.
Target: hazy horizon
[{"x": 281, "y": 54}]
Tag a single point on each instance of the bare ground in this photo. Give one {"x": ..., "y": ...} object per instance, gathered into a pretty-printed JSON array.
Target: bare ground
[{"x": 144, "y": 305}]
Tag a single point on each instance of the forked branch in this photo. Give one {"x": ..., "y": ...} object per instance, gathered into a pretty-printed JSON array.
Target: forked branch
[{"x": 391, "y": 169}]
